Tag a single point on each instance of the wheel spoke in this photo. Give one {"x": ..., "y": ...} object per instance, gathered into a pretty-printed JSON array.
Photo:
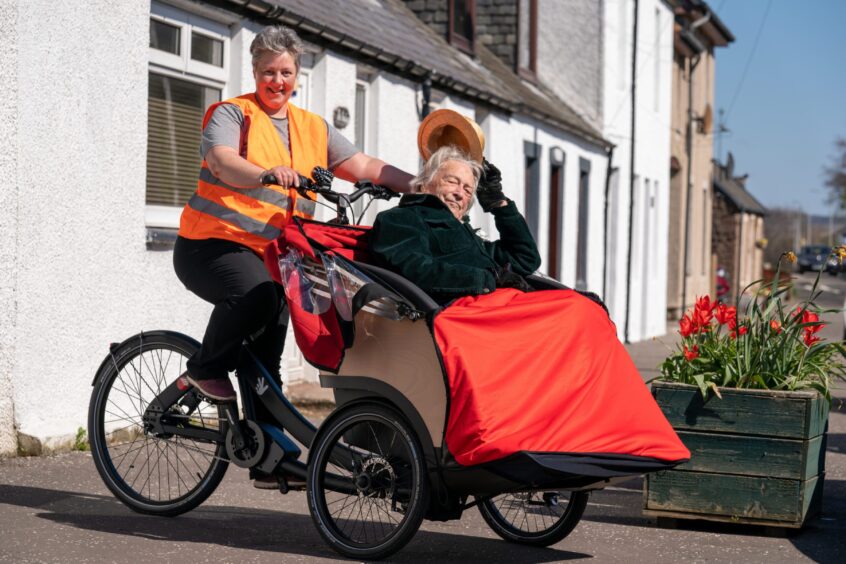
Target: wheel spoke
[
  {"x": 165, "y": 470},
  {"x": 379, "y": 461}
]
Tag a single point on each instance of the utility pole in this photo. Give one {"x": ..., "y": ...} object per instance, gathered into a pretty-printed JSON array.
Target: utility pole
[
  {"x": 831, "y": 229},
  {"x": 721, "y": 130}
]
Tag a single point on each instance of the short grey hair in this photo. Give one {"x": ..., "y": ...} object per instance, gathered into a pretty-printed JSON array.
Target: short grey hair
[
  {"x": 277, "y": 39},
  {"x": 431, "y": 167}
]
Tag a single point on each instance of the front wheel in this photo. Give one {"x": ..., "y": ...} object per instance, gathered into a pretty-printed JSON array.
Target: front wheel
[
  {"x": 152, "y": 474},
  {"x": 536, "y": 518},
  {"x": 367, "y": 486}
]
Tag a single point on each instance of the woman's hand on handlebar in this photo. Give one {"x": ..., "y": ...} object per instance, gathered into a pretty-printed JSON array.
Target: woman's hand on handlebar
[{"x": 283, "y": 176}]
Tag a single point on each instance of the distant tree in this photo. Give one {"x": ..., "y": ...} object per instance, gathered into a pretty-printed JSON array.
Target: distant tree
[
  {"x": 835, "y": 175},
  {"x": 780, "y": 226}
]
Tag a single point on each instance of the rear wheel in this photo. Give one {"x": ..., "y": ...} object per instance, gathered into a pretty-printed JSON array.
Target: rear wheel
[
  {"x": 159, "y": 475},
  {"x": 537, "y": 518},
  {"x": 367, "y": 484}
]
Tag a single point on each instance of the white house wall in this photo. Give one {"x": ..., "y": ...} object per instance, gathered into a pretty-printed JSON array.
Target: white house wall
[
  {"x": 83, "y": 277},
  {"x": 648, "y": 280},
  {"x": 75, "y": 271},
  {"x": 9, "y": 94}
]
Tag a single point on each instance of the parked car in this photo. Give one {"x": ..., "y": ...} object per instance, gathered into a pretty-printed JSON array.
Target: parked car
[{"x": 813, "y": 257}]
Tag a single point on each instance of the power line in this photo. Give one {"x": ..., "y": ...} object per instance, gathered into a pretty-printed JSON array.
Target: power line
[{"x": 749, "y": 60}]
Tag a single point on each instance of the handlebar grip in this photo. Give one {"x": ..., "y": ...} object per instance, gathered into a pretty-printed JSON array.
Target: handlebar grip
[{"x": 269, "y": 179}]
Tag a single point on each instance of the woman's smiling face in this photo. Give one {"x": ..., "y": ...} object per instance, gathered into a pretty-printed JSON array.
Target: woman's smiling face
[{"x": 276, "y": 79}]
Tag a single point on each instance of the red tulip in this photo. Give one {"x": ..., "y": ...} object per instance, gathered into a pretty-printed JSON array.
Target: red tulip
[
  {"x": 725, "y": 314},
  {"x": 742, "y": 330},
  {"x": 686, "y": 326},
  {"x": 775, "y": 325},
  {"x": 703, "y": 312},
  {"x": 811, "y": 317},
  {"x": 810, "y": 339},
  {"x": 691, "y": 354}
]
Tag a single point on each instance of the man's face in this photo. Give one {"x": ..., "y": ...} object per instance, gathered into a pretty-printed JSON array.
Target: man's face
[{"x": 455, "y": 185}]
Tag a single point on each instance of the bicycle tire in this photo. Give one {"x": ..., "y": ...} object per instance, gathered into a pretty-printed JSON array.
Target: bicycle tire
[
  {"x": 395, "y": 478},
  {"x": 519, "y": 506},
  {"x": 137, "y": 370}
]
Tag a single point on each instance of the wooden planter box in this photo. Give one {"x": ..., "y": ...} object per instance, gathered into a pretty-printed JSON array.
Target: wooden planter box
[{"x": 756, "y": 456}]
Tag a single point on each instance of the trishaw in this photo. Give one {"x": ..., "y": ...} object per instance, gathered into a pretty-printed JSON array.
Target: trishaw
[{"x": 379, "y": 463}]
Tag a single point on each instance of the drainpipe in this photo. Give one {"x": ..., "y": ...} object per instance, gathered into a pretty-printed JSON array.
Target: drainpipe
[
  {"x": 609, "y": 170},
  {"x": 691, "y": 66},
  {"x": 738, "y": 251},
  {"x": 631, "y": 177},
  {"x": 697, "y": 46}
]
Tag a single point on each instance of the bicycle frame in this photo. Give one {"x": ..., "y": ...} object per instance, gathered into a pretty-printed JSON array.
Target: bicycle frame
[{"x": 256, "y": 385}]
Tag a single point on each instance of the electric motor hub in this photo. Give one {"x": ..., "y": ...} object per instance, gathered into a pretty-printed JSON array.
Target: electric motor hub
[{"x": 254, "y": 445}]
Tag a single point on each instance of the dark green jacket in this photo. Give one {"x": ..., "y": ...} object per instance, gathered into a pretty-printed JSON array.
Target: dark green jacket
[{"x": 421, "y": 240}]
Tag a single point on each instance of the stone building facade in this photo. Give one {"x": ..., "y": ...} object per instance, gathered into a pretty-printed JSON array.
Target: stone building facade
[
  {"x": 738, "y": 229},
  {"x": 698, "y": 33}
]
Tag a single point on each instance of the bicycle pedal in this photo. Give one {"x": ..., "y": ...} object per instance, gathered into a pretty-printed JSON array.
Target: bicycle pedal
[{"x": 294, "y": 485}]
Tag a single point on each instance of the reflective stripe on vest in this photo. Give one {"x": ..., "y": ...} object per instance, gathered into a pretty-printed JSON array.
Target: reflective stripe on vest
[
  {"x": 305, "y": 206},
  {"x": 240, "y": 220},
  {"x": 261, "y": 194}
]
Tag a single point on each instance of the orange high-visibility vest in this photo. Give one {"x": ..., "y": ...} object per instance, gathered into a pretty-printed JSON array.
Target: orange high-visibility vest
[{"x": 255, "y": 216}]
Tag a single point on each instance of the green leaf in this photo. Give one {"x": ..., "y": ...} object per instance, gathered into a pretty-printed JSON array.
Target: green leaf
[
  {"x": 703, "y": 387},
  {"x": 714, "y": 387}
]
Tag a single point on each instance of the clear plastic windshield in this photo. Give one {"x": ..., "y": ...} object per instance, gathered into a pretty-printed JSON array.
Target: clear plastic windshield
[
  {"x": 300, "y": 289},
  {"x": 345, "y": 281}
]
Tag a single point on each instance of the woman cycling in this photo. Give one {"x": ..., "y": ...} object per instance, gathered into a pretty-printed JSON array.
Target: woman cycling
[{"x": 232, "y": 217}]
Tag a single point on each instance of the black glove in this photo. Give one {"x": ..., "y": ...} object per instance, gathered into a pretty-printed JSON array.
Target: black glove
[
  {"x": 489, "y": 193},
  {"x": 506, "y": 278}
]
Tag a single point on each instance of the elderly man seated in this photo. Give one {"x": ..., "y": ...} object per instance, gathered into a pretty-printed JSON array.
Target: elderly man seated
[{"x": 427, "y": 239}]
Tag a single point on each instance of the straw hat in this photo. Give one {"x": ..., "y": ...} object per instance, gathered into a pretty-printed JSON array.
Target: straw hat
[{"x": 447, "y": 127}]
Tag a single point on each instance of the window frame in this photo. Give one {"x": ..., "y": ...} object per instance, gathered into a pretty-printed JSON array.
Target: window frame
[
  {"x": 530, "y": 72},
  {"x": 189, "y": 23},
  {"x": 183, "y": 67},
  {"x": 456, "y": 39}
]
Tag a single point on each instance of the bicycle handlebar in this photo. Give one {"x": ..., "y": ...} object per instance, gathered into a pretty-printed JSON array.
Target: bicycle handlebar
[{"x": 323, "y": 187}]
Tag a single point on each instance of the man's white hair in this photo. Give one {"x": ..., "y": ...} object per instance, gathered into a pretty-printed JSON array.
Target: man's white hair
[{"x": 423, "y": 181}]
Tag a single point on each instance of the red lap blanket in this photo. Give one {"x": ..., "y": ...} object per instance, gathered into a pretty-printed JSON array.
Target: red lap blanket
[{"x": 544, "y": 372}]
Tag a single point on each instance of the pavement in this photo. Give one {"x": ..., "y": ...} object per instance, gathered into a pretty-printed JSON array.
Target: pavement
[{"x": 56, "y": 509}]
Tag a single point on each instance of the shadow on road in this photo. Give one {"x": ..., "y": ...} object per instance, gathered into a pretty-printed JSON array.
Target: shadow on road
[
  {"x": 836, "y": 442},
  {"x": 823, "y": 539},
  {"x": 253, "y": 529}
]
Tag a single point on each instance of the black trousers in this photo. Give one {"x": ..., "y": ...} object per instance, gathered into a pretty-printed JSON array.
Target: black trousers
[{"x": 246, "y": 302}]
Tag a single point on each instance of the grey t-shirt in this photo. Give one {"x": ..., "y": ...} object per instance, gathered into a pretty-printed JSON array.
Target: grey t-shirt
[{"x": 224, "y": 128}]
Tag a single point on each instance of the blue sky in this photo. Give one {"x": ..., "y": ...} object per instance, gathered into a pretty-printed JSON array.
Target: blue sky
[{"x": 792, "y": 104}]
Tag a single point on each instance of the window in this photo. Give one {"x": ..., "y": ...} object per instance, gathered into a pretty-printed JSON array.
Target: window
[
  {"x": 656, "y": 62},
  {"x": 527, "y": 30},
  {"x": 556, "y": 211},
  {"x": 165, "y": 37},
  {"x": 462, "y": 23},
  {"x": 206, "y": 49},
  {"x": 188, "y": 72},
  {"x": 175, "y": 112},
  {"x": 300, "y": 97},
  {"x": 360, "y": 130},
  {"x": 531, "y": 182},
  {"x": 584, "y": 215},
  {"x": 360, "y": 114}
]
